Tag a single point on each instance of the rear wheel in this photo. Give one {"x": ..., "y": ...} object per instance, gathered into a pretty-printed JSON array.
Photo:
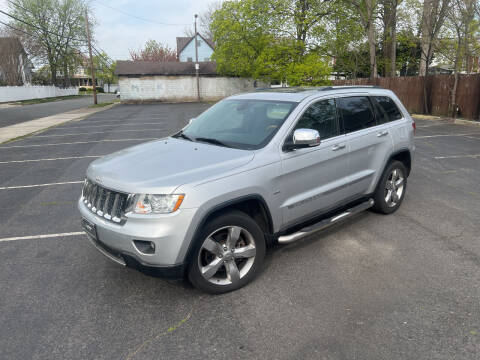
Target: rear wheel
[
  {"x": 229, "y": 255},
  {"x": 391, "y": 188}
]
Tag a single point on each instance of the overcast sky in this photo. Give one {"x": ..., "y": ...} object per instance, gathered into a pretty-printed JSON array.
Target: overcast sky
[{"x": 119, "y": 28}]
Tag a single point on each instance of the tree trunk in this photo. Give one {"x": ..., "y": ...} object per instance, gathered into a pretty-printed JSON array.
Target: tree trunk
[
  {"x": 426, "y": 41},
  {"x": 393, "y": 45},
  {"x": 390, "y": 36},
  {"x": 371, "y": 39}
]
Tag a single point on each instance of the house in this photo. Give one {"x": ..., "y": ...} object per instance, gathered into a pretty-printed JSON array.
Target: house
[
  {"x": 186, "y": 48},
  {"x": 15, "y": 67},
  {"x": 176, "y": 81}
]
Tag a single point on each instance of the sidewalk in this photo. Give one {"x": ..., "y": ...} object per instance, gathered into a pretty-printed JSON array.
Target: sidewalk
[{"x": 11, "y": 132}]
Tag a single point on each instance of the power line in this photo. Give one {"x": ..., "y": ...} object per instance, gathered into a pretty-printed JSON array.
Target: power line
[
  {"x": 14, "y": 28},
  {"x": 138, "y": 17},
  {"x": 37, "y": 27}
]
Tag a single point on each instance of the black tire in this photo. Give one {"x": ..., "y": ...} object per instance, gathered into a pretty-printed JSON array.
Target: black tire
[
  {"x": 381, "y": 205},
  {"x": 218, "y": 228}
]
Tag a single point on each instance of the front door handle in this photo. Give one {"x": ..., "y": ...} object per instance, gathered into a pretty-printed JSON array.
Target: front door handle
[
  {"x": 338, "y": 147},
  {"x": 382, "y": 133}
]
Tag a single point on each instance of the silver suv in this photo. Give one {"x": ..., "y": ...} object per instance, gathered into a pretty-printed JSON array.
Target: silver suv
[{"x": 252, "y": 170}]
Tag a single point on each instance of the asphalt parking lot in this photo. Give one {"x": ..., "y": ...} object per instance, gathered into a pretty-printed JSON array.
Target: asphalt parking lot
[{"x": 404, "y": 286}]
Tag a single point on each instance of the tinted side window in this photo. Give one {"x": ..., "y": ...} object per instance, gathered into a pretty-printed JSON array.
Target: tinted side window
[
  {"x": 356, "y": 113},
  {"x": 321, "y": 116},
  {"x": 386, "y": 109}
]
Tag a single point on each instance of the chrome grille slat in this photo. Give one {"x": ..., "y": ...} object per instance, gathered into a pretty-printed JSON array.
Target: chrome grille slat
[{"x": 105, "y": 203}]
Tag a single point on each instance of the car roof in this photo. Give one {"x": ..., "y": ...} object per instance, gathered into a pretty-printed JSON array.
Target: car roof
[{"x": 297, "y": 94}]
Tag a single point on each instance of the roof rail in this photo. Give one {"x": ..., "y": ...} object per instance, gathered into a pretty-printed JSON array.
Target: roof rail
[{"x": 344, "y": 87}]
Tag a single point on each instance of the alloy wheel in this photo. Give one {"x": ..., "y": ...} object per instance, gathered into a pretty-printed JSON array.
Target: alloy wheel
[
  {"x": 227, "y": 255},
  {"x": 394, "y": 187}
]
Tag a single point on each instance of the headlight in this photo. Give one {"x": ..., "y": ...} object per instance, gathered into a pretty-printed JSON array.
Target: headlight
[{"x": 156, "y": 204}]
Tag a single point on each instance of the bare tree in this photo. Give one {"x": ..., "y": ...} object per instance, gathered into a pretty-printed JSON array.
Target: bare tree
[
  {"x": 389, "y": 19},
  {"x": 368, "y": 10},
  {"x": 205, "y": 21},
  {"x": 433, "y": 17},
  {"x": 154, "y": 51}
]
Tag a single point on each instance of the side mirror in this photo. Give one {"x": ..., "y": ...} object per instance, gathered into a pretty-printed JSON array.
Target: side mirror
[{"x": 303, "y": 138}]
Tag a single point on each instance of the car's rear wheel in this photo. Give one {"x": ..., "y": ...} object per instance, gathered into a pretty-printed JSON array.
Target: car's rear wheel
[
  {"x": 391, "y": 188},
  {"x": 230, "y": 253}
]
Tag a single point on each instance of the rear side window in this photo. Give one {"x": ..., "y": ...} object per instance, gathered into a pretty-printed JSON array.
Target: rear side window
[
  {"x": 356, "y": 113},
  {"x": 320, "y": 116},
  {"x": 385, "y": 109}
]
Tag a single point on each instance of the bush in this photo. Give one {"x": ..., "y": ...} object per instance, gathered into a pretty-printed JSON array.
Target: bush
[
  {"x": 100, "y": 90},
  {"x": 82, "y": 89}
]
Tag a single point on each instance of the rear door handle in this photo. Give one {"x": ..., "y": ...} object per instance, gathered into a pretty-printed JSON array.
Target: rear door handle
[
  {"x": 382, "y": 133},
  {"x": 338, "y": 147}
]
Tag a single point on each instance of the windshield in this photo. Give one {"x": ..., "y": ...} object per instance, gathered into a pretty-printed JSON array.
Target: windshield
[{"x": 241, "y": 124}]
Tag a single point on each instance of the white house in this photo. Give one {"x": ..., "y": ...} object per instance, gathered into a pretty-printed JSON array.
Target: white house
[{"x": 186, "y": 48}]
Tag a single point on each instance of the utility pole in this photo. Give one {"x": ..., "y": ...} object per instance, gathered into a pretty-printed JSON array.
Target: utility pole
[
  {"x": 197, "y": 65},
  {"x": 92, "y": 68}
]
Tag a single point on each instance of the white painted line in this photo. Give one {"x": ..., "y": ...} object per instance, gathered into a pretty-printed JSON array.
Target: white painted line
[
  {"x": 458, "y": 156},
  {"x": 443, "y": 135},
  {"x": 83, "y": 127},
  {"x": 76, "y": 142},
  {"x": 39, "y": 185},
  {"x": 97, "y": 132},
  {"x": 46, "y": 236},
  {"x": 51, "y": 159}
]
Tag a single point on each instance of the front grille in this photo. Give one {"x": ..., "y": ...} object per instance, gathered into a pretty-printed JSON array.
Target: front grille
[{"x": 105, "y": 203}]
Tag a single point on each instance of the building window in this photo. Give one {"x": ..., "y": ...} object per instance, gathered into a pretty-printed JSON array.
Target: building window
[
  {"x": 189, "y": 59},
  {"x": 206, "y": 59},
  {"x": 199, "y": 42}
]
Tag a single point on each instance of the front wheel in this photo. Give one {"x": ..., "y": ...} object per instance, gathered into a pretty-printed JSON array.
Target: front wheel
[
  {"x": 391, "y": 188},
  {"x": 230, "y": 253}
]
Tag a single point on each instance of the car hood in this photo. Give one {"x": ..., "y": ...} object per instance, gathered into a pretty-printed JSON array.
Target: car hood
[{"x": 161, "y": 166}]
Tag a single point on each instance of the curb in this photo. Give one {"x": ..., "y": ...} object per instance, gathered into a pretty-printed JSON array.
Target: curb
[
  {"x": 427, "y": 117},
  {"x": 28, "y": 128},
  {"x": 466, "y": 122},
  {"x": 451, "y": 120}
]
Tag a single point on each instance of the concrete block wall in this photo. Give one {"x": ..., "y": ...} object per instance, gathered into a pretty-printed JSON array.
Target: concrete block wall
[{"x": 181, "y": 88}]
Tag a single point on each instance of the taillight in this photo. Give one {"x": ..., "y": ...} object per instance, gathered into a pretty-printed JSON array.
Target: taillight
[{"x": 414, "y": 127}]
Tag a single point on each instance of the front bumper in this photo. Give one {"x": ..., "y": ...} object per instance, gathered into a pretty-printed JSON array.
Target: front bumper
[{"x": 169, "y": 232}]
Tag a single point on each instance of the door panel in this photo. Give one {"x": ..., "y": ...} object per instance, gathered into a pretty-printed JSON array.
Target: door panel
[
  {"x": 368, "y": 143},
  {"x": 367, "y": 151},
  {"x": 314, "y": 179}
]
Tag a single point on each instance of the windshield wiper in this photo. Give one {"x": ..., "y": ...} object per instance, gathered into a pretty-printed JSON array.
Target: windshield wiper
[
  {"x": 211, "y": 141},
  {"x": 182, "y": 135}
]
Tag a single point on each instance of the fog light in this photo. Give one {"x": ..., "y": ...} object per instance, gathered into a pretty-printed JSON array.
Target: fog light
[{"x": 144, "y": 247}]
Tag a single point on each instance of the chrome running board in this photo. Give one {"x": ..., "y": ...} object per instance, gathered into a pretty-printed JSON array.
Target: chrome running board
[{"x": 286, "y": 239}]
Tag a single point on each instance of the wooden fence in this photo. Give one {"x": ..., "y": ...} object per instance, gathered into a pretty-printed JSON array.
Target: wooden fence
[{"x": 439, "y": 87}]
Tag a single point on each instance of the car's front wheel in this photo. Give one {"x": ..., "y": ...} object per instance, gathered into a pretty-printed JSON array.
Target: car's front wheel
[{"x": 229, "y": 254}]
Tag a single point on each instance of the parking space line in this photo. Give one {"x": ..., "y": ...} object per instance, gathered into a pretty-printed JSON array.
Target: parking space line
[
  {"x": 76, "y": 142},
  {"x": 458, "y": 156},
  {"x": 82, "y": 127},
  {"x": 444, "y": 135},
  {"x": 46, "y": 236},
  {"x": 98, "y": 132},
  {"x": 39, "y": 185},
  {"x": 51, "y": 159}
]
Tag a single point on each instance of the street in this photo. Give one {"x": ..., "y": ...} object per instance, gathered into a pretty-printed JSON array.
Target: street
[
  {"x": 403, "y": 286},
  {"x": 18, "y": 114}
]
